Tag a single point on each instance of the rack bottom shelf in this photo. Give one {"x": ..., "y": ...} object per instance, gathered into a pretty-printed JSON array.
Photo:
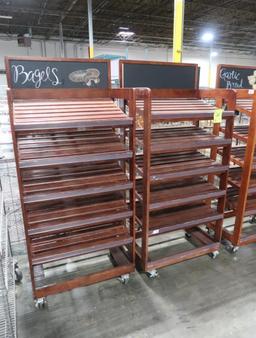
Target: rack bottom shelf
[
  {"x": 166, "y": 252},
  {"x": 83, "y": 271}
]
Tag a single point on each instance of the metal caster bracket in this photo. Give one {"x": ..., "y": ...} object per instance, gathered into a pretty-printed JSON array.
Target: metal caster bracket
[
  {"x": 124, "y": 279},
  {"x": 152, "y": 274},
  {"x": 187, "y": 235},
  {"x": 210, "y": 231},
  {"x": 41, "y": 303},
  {"x": 232, "y": 248},
  {"x": 214, "y": 254},
  {"x": 18, "y": 273}
]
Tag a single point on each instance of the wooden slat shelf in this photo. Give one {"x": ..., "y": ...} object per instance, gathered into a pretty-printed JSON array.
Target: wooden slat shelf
[
  {"x": 167, "y": 140},
  {"x": 177, "y": 219},
  {"x": 182, "y": 109},
  {"x": 244, "y": 105},
  {"x": 235, "y": 176},
  {"x": 85, "y": 219},
  {"x": 58, "y": 114},
  {"x": 232, "y": 203},
  {"x": 76, "y": 178},
  {"x": 171, "y": 167},
  {"x": 85, "y": 185},
  {"x": 164, "y": 196},
  {"x": 78, "y": 245},
  {"x": 238, "y": 156},
  {"x": 241, "y": 133}
]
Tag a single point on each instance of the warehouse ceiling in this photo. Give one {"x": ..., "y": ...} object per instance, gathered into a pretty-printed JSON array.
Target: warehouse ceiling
[{"x": 233, "y": 22}]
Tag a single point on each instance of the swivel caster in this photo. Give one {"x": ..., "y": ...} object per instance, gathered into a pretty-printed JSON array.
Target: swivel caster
[
  {"x": 18, "y": 273},
  {"x": 124, "y": 279},
  {"x": 214, "y": 254},
  {"x": 210, "y": 232},
  {"x": 152, "y": 274},
  {"x": 253, "y": 219},
  {"x": 187, "y": 235},
  {"x": 234, "y": 249},
  {"x": 41, "y": 303}
]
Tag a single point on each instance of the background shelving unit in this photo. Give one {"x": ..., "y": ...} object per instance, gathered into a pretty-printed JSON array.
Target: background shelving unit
[{"x": 241, "y": 200}]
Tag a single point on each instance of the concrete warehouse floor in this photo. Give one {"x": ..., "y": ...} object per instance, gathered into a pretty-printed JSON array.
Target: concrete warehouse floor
[{"x": 198, "y": 298}]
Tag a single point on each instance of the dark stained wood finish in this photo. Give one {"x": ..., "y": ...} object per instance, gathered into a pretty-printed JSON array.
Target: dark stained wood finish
[
  {"x": 174, "y": 189},
  {"x": 241, "y": 200},
  {"x": 76, "y": 176}
]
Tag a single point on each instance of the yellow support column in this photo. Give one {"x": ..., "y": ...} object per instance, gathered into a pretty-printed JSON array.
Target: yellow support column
[
  {"x": 91, "y": 52},
  {"x": 90, "y": 29},
  {"x": 178, "y": 26}
]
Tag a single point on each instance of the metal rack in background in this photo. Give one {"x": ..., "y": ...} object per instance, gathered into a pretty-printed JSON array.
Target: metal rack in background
[
  {"x": 11, "y": 200},
  {"x": 11, "y": 228},
  {"x": 8, "y": 173},
  {"x": 7, "y": 277}
]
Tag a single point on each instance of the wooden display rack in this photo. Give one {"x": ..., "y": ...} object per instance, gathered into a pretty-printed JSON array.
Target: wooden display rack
[
  {"x": 177, "y": 177},
  {"x": 76, "y": 176},
  {"x": 241, "y": 200},
  {"x": 177, "y": 188}
]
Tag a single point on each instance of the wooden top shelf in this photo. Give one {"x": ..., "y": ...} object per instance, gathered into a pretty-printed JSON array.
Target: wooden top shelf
[
  {"x": 181, "y": 109},
  {"x": 67, "y": 114}
]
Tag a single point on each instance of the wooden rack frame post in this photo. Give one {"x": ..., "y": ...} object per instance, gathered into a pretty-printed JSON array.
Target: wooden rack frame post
[
  {"x": 245, "y": 182},
  {"x": 245, "y": 105}
]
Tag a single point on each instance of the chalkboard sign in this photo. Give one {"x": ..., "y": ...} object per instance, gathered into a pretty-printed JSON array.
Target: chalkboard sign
[
  {"x": 236, "y": 77},
  {"x": 158, "y": 75},
  {"x": 42, "y": 73}
]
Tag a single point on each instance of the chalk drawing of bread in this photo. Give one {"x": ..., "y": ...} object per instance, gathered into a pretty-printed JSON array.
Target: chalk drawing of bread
[
  {"x": 88, "y": 76},
  {"x": 252, "y": 80}
]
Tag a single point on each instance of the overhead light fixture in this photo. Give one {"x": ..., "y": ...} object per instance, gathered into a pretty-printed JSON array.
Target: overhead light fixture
[
  {"x": 213, "y": 54},
  {"x": 208, "y": 37},
  {"x": 125, "y": 35},
  {"x": 7, "y": 17}
]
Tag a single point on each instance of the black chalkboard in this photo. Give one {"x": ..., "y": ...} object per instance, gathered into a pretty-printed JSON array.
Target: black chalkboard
[
  {"x": 236, "y": 77},
  {"x": 51, "y": 73},
  {"x": 159, "y": 76}
]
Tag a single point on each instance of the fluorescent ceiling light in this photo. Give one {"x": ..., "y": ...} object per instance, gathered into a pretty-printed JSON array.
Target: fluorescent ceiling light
[
  {"x": 208, "y": 37},
  {"x": 213, "y": 54},
  {"x": 125, "y": 34},
  {"x": 8, "y": 17}
]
